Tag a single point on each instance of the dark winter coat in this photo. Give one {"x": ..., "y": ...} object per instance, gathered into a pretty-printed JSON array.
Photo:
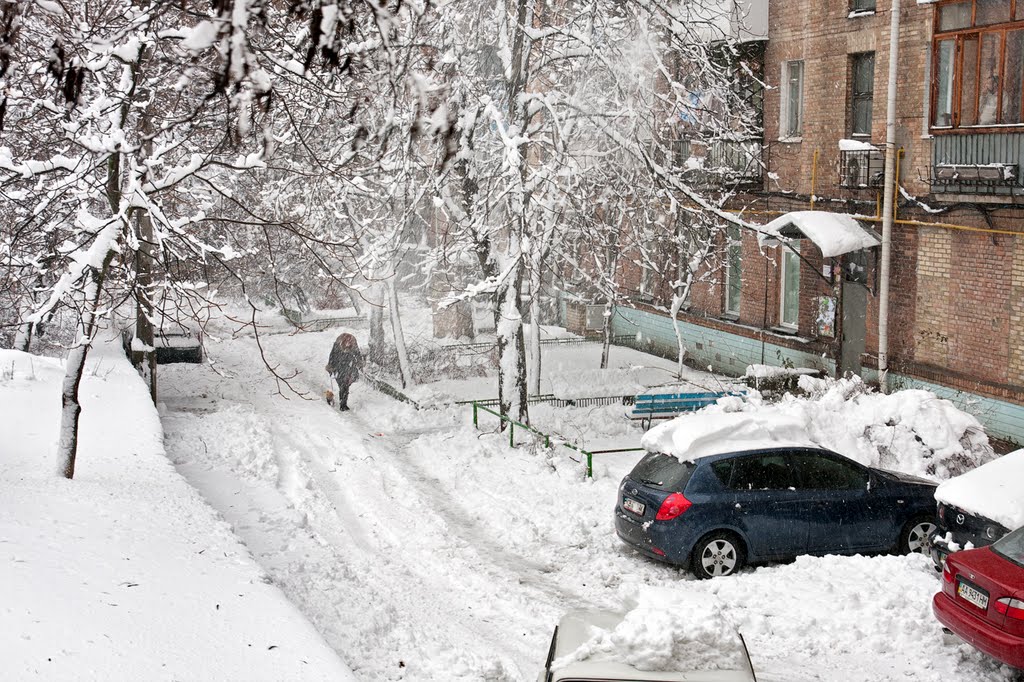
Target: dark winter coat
[{"x": 346, "y": 361}]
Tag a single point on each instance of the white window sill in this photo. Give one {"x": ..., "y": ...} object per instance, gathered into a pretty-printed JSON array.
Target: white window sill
[
  {"x": 791, "y": 140},
  {"x": 858, "y": 13}
]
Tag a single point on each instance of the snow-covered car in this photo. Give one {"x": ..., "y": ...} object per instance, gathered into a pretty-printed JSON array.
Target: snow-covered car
[
  {"x": 719, "y": 512},
  {"x": 980, "y": 506},
  {"x": 179, "y": 345},
  {"x": 718, "y": 491},
  {"x": 592, "y": 646}
]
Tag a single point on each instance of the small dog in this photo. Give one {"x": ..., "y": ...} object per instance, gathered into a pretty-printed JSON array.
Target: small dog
[{"x": 329, "y": 395}]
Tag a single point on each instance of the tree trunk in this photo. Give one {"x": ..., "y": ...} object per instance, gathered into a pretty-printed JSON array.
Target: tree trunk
[
  {"x": 512, "y": 389},
  {"x": 396, "y": 328},
  {"x": 145, "y": 361},
  {"x": 377, "y": 343},
  {"x": 23, "y": 339},
  {"x": 535, "y": 359},
  {"x": 71, "y": 408},
  {"x": 606, "y": 333},
  {"x": 677, "y": 303}
]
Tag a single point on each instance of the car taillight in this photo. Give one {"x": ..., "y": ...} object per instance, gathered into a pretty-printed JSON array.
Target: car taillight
[
  {"x": 942, "y": 514},
  {"x": 947, "y": 574},
  {"x": 1011, "y": 608},
  {"x": 674, "y": 505}
]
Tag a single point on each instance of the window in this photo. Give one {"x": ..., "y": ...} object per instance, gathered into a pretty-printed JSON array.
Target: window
[
  {"x": 762, "y": 472},
  {"x": 662, "y": 471},
  {"x": 979, "y": 63},
  {"x": 819, "y": 472},
  {"x": 792, "y": 99},
  {"x": 862, "y": 93},
  {"x": 789, "y": 296},
  {"x": 733, "y": 270},
  {"x": 862, "y": 5}
]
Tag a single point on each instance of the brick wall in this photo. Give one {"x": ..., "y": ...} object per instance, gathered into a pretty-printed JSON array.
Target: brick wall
[
  {"x": 820, "y": 33},
  {"x": 934, "y": 289}
]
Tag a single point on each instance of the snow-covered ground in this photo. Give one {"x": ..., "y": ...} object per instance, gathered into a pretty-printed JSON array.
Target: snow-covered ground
[
  {"x": 125, "y": 573},
  {"x": 419, "y": 547}
]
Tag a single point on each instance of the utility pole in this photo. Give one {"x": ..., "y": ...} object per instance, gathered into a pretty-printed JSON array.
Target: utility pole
[{"x": 888, "y": 199}]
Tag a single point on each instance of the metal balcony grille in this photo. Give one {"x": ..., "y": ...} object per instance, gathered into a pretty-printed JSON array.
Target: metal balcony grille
[
  {"x": 861, "y": 168},
  {"x": 973, "y": 177}
]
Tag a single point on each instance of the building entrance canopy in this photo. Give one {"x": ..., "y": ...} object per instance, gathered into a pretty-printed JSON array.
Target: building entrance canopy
[{"x": 833, "y": 233}]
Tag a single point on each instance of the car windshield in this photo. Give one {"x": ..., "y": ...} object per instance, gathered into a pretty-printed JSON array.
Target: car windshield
[
  {"x": 1012, "y": 546},
  {"x": 662, "y": 471}
]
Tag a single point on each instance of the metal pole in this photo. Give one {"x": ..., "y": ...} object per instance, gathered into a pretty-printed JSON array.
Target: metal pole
[{"x": 888, "y": 201}]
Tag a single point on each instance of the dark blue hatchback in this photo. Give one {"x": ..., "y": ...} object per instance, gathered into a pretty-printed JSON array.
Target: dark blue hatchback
[{"x": 719, "y": 512}]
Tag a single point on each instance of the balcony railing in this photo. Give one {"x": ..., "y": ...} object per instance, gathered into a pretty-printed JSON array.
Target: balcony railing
[
  {"x": 982, "y": 163},
  {"x": 861, "y": 168},
  {"x": 719, "y": 162}
]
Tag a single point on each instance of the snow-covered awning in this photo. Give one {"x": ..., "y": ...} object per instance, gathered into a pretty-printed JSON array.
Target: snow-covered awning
[{"x": 833, "y": 233}]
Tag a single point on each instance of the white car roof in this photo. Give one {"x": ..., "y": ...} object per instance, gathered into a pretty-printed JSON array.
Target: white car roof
[{"x": 576, "y": 627}]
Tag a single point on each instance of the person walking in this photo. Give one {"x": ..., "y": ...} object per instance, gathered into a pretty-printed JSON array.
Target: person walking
[{"x": 344, "y": 366}]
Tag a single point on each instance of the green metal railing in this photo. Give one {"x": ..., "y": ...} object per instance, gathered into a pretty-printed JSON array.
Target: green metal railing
[{"x": 512, "y": 423}]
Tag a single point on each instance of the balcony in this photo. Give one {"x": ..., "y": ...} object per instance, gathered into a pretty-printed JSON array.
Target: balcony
[
  {"x": 720, "y": 163},
  {"x": 979, "y": 164},
  {"x": 861, "y": 168}
]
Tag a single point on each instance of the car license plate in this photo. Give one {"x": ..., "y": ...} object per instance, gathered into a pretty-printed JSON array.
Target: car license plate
[
  {"x": 633, "y": 506},
  {"x": 975, "y": 596}
]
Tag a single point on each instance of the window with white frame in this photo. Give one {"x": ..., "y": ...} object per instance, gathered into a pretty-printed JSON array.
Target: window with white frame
[
  {"x": 733, "y": 270},
  {"x": 789, "y": 294},
  {"x": 792, "y": 95}
]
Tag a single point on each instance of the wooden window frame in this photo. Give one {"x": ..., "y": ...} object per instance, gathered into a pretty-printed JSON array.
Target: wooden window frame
[
  {"x": 855, "y": 96},
  {"x": 959, "y": 37}
]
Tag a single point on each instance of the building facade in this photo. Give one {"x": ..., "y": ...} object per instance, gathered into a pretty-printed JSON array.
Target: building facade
[{"x": 957, "y": 284}]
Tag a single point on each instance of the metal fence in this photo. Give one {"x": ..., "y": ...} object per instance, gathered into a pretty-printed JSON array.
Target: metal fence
[{"x": 550, "y": 440}]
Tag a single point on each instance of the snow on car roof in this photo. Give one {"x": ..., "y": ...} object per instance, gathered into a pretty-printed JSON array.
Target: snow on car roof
[
  {"x": 994, "y": 490},
  {"x": 666, "y": 633},
  {"x": 701, "y": 434}
]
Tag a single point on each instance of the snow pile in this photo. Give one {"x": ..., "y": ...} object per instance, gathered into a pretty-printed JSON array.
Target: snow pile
[
  {"x": 713, "y": 432},
  {"x": 125, "y": 572},
  {"x": 912, "y": 431},
  {"x": 994, "y": 490},
  {"x": 666, "y": 630}
]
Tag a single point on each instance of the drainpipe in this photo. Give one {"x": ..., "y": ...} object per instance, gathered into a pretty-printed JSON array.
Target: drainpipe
[{"x": 888, "y": 200}]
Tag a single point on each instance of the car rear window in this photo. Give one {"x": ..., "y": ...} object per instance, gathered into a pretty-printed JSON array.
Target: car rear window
[
  {"x": 662, "y": 471},
  {"x": 1012, "y": 546}
]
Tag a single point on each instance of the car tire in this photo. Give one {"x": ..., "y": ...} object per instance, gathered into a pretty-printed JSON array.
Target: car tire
[
  {"x": 717, "y": 554},
  {"x": 916, "y": 535}
]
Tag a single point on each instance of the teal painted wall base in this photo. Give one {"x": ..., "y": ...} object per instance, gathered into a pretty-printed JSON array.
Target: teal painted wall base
[
  {"x": 708, "y": 348},
  {"x": 730, "y": 354}
]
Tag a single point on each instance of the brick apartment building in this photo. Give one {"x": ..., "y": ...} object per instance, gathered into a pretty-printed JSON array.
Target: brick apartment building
[{"x": 957, "y": 285}]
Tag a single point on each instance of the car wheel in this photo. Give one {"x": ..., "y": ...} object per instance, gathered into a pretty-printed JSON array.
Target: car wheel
[
  {"x": 916, "y": 536},
  {"x": 717, "y": 554}
]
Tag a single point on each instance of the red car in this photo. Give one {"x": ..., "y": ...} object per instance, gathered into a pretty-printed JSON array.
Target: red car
[{"x": 982, "y": 598}]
